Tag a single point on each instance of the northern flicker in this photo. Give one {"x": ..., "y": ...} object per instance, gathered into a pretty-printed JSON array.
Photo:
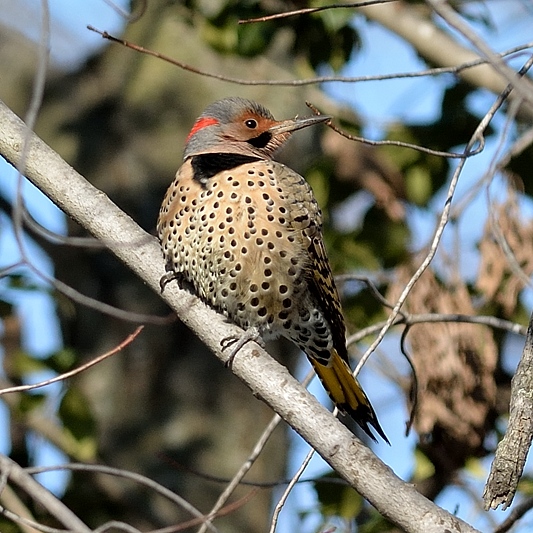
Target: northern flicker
[{"x": 246, "y": 232}]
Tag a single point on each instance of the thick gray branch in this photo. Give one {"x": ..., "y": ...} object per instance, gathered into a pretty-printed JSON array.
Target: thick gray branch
[
  {"x": 512, "y": 450},
  {"x": 396, "y": 500}
]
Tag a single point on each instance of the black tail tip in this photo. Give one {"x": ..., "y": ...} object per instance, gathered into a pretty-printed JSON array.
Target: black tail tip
[
  {"x": 375, "y": 424},
  {"x": 365, "y": 417}
]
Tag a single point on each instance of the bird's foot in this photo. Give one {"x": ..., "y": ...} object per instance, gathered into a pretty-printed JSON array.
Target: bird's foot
[
  {"x": 236, "y": 342},
  {"x": 171, "y": 275}
]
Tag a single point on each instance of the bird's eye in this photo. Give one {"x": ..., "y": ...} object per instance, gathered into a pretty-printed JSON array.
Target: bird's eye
[{"x": 251, "y": 123}]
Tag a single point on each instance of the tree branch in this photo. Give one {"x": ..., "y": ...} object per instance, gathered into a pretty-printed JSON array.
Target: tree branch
[
  {"x": 39, "y": 494},
  {"x": 408, "y": 22},
  {"x": 511, "y": 454},
  {"x": 396, "y": 500}
]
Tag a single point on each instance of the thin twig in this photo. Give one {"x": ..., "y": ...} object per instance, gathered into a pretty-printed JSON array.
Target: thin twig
[
  {"x": 14, "y": 509},
  {"x": 522, "y": 87},
  {"x": 309, "y": 81},
  {"x": 115, "y": 524},
  {"x": 237, "y": 479},
  {"x": 67, "y": 240},
  {"x": 39, "y": 494},
  {"x": 227, "y": 509},
  {"x": 413, "y": 392},
  {"x": 369, "y": 283},
  {"x": 443, "y": 220},
  {"x": 27, "y": 525},
  {"x": 410, "y": 319},
  {"x": 126, "y": 474},
  {"x": 19, "y": 206},
  {"x": 8, "y": 269},
  {"x": 52, "y": 236},
  {"x": 23, "y": 388},
  {"x": 243, "y": 470},
  {"x": 518, "y": 146},
  {"x": 102, "y": 307},
  {"x": 288, "y": 490},
  {"x": 256, "y": 484},
  {"x": 30, "y": 119},
  {"x": 516, "y": 513},
  {"x": 497, "y": 232},
  {"x": 401, "y": 144},
  {"x": 309, "y": 10}
]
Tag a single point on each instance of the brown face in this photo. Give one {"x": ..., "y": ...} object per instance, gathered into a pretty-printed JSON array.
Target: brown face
[
  {"x": 253, "y": 130},
  {"x": 247, "y": 126}
]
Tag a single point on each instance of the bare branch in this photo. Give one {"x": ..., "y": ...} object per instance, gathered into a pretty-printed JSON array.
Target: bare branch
[
  {"x": 401, "y": 144},
  {"x": 398, "y": 501},
  {"x": 8, "y": 269},
  {"x": 19, "y": 207},
  {"x": 243, "y": 470},
  {"x": 309, "y": 10},
  {"x": 456, "y": 68},
  {"x": 196, "y": 521},
  {"x": 409, "y": 319},
  {"x": 518, "y": 512},
  {"x": 39, "y": 494},
  {"x": 408, "y": 22},
  {"x": 114, "y": 524},
  {"x": 511, "y": 454},
  {"x": 287, "y": 491},
  {"x": 444, "y": 217},
  {"x": 522, "y": 86},
  {"x": 97, "y": 305},
  {"x": 14, "y": 509},
  {"x": 73, "y": 372},
  {"x": 126, "y": 474}
]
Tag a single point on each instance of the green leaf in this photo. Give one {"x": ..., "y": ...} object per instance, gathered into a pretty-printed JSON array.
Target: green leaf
[
  {"x": 7, "y": 526},
  {"x": 75, "y": 414},
  {"x": 223, "y": 39},
  {"x": 424, "y": 468},
  {"x": 20, "y": 281},
  {"x": 418, "y": 185},
  {"x": 22, "y": 363},
  {"x": 62, "y": 360},
  {"x": 337, "y": 499},
  {"x": 525, "y": 486},
  {"x": 29, "y": 402},
  {"x": 320, "y": 185},
  {"x": 6, "y": 309}
]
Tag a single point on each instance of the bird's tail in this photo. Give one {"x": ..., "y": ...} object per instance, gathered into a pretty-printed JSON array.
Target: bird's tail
[{"x": 347, "y": 394}]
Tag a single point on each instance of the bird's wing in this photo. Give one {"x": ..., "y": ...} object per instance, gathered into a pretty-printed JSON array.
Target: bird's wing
[
  {"x": 306, "y": 218},
  {"x": 322, "y": 286}
]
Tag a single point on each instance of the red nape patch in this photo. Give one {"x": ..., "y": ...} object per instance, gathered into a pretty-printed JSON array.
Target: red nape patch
[{"x": 202, "y": 122}]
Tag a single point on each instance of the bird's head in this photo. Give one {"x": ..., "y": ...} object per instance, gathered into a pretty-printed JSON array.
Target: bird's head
[{"x": 240, "y": 126}]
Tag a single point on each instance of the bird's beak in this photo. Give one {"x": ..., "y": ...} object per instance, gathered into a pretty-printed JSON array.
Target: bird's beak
[{"x": 294, "y": 124}]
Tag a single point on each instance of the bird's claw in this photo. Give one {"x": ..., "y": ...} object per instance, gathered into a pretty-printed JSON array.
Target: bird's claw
[
  {"x": 169, "y": 276},
  {"x": 236, "y": 342}
]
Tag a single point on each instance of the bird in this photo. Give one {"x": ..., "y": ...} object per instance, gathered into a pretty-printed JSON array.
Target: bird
[{"x": 244, "y": 232}]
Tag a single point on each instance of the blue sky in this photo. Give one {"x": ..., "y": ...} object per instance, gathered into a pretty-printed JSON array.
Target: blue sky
[
  {"x": 416, "y": 99},
  {"x": 71, "y": 42}
]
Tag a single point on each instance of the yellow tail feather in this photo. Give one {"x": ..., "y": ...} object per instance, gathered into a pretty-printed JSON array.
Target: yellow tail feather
[{"x": 347, "y": 394}]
